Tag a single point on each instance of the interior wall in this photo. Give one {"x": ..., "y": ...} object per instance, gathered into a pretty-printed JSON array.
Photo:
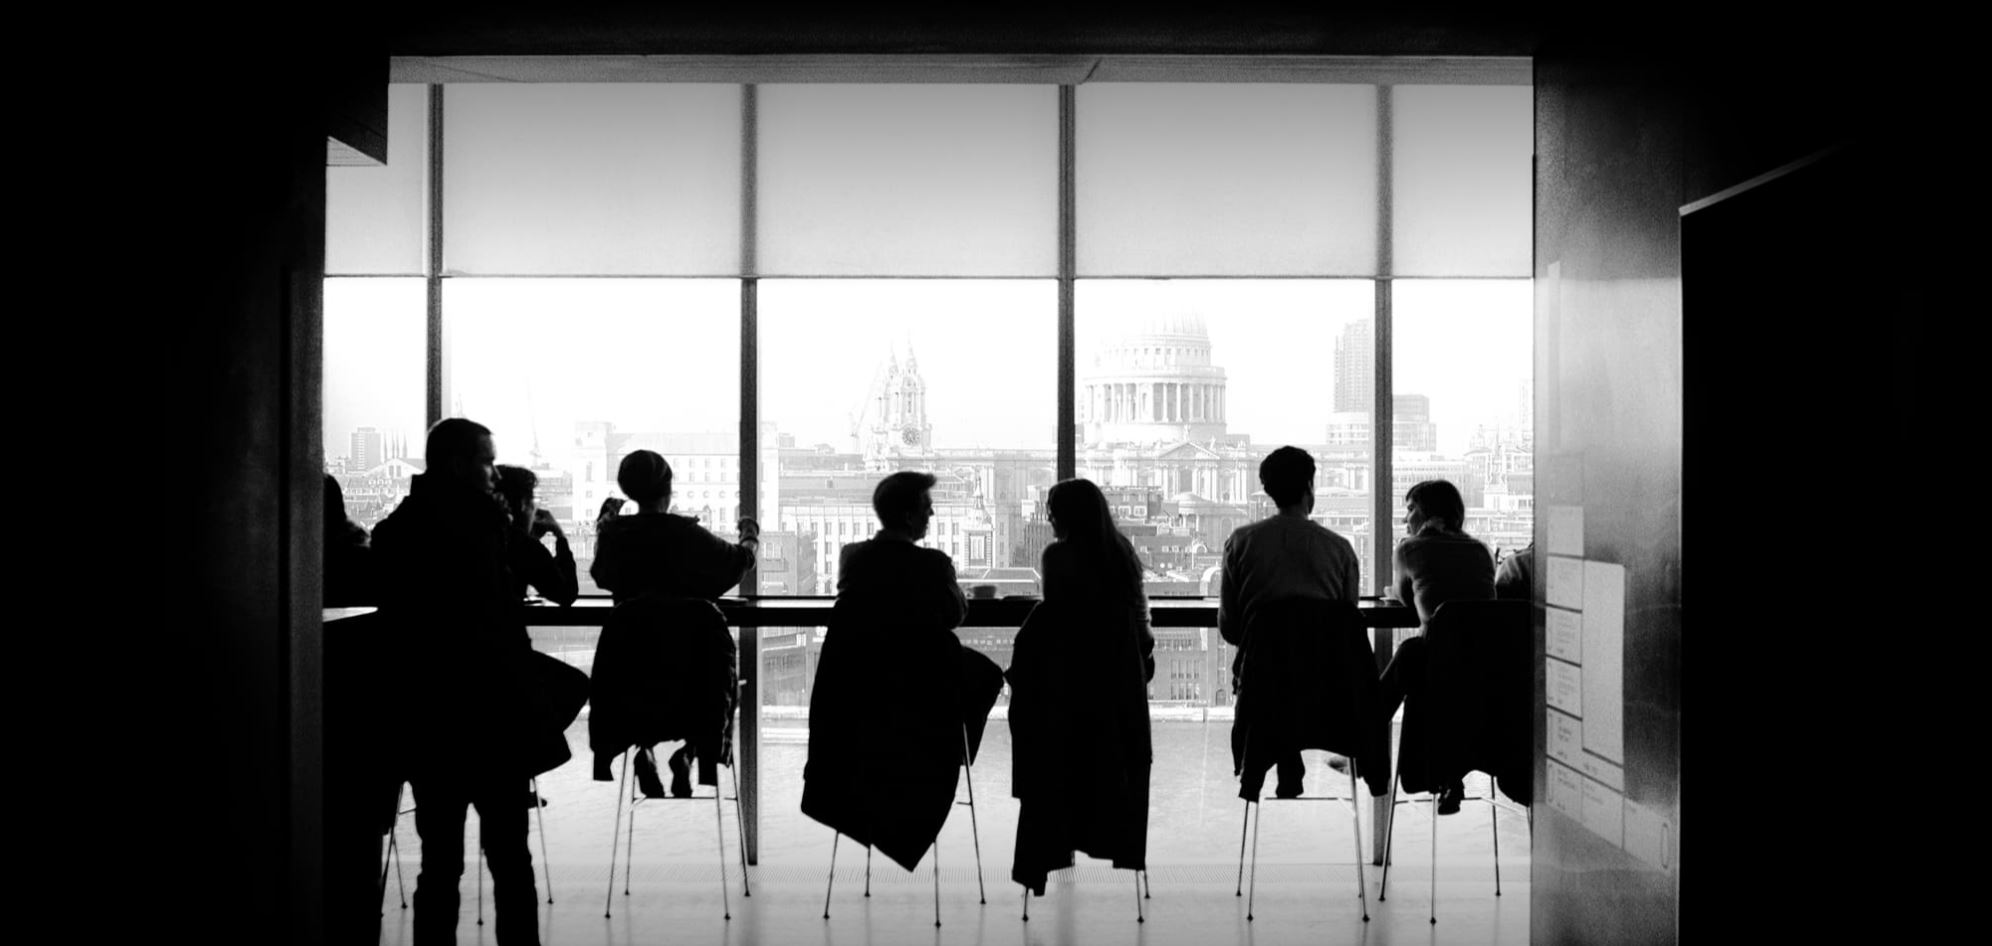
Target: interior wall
[{"x": 1733, "y": 366}]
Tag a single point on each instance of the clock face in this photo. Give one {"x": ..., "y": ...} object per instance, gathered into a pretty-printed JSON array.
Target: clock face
[{"x": 911, "y": 437}]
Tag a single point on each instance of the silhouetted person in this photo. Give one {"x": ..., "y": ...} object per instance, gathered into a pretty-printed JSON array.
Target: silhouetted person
[
  {"x": 1515, "y": 577},
  {"x": 1436, "y": 562},
  {"x": 896, "y": 695},
  {"x": 1286, "y": 555},
  {"x": 349, "y": 564},
  {"x": 657, "y": 552},
  {"x": 1079, "y": 676},
  {"x": 361, "y": 781},
  {"x": 552, "y": 574},
  {"x": 473, "y": 728},
  {"x": 891, "y": 569}
]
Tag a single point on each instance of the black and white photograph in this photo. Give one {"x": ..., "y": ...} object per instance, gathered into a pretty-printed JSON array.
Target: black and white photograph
[{"x": 652, "y": 474}]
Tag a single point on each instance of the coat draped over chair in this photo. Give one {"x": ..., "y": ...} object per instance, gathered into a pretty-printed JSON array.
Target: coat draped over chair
[
  {"x": 892, "y": 693},
  {"x": 1308, "y": 681},
  {"x": 1475, "y": 711},
  {"x": 1080, "y": 743},
  {"x": 666, "y": 669}
]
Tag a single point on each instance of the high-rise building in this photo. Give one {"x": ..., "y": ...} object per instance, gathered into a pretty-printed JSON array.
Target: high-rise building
[
  {"x": 365, "y": 451},
  {"x": 1411, "y": 426},
  {"x": 1355, "y": 368}
]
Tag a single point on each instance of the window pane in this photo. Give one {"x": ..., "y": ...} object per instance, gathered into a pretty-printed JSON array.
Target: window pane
[
  {"x": 376, "y": 390},
  {"x": 623, "y": 179},
  {"x": 1226, "y": 180},
  {"x": 1462, "y": 181},
  {"x": 908, "y": 180},
  {"x": 573, "y": 374},
  {"x": 1185, "y": 385},
  {"x": 1461, "y": 363},
  {"x": 863, "y": 377},
  {"x": 376, "y": 222}
]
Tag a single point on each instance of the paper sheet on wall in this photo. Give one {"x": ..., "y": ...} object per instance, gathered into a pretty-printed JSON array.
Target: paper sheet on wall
[
  {"x": 1565, "y": 635},
  {"x": 1566, "y": 530},
  {"x": 1604, "y": 812},
  {"x": 1647, "y": 834},
  {"x": 1566, "y": 790},
  {"x": 1566, "y": 738},
  {"x": 1566, "y": 686},
  {"x": 1612, "y": 776},
  {"x": 1566, "y": 582},
  {"x": 1604, "y": 660}
]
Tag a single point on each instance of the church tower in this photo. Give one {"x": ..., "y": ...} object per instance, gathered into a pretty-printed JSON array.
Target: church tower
[{"x": 899, "y": 424}]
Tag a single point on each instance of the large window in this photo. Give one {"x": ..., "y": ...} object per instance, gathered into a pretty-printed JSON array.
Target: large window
[
  {"x": 860, "y": 378},
  {"x": 1183, "y": 386},
  {"x": 375, "y": 339},
  {"x": 1240, "y": 262}
]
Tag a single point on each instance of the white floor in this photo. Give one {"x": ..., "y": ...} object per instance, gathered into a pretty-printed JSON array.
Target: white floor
[{"x": 677, "y": 897}]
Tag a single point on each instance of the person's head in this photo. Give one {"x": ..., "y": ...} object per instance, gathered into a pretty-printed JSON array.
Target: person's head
[
  {"x": 903, "y": 503},
  {"x": 335, "y": 503},
  {"x": 460, "y": 451},
  {"x": 1080, "y": 515},
  {"x": 515, "y": 487},
  {"x": 1433, "y": 501},
  {"x": 1288, "y": 477},
  {"x": 1078, "y": 510},
  {"x": 645, "y": 478}
]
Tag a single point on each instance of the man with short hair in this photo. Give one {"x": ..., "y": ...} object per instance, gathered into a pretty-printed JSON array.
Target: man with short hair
[
  {"x": 898, "y": 704},
  {"x": 445, "y": 588},
  {"x": 891, "y": 568},
  {"x": 1286, "y": 555}
]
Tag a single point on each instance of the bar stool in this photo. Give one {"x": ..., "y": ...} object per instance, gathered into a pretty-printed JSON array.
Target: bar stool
[
  {"x": 975, "y": 832},
  {"x": 719, "y": 827}
]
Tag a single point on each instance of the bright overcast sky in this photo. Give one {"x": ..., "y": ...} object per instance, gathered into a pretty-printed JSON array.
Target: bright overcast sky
[{"x": 533, "y": 356}]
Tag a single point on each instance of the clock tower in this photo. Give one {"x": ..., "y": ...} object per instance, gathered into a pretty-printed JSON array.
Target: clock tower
[{"x": 899, "y": 425}]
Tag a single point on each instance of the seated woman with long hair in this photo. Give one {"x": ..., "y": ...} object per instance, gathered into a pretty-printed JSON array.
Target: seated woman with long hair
[
  {"x": 657, "y": 552},
  {"x": 1079, "y": 708}
]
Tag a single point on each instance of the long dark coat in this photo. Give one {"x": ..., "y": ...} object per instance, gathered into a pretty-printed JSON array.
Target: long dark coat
[
  {"x": 1080, "y": 745},
  {"x": 892, "y": 695},
  {"x": 665, "y": 669},
  {"x": 1308, "y": 681}
]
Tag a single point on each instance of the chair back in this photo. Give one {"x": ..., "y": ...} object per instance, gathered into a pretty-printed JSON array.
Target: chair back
[
  {"x": 1481, "y": 686},
  {"x": 1308, "y": 681}
]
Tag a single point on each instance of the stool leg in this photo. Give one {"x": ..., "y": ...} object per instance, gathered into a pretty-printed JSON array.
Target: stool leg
[
  {"x": 1356, "y": 826},
  {"x": 1242, "y": 825},
  {"x": 1027, "y": 904},
  {"x": 868, "y": 873},
  {"x": 832, "y": 882},
  {"x": 1494, "y": 822},
  {"x": 480, "y": 881},
  {"x": 608, "y": 896},
  {"x": 629, "y": 845},
  {"x": 546, "y": 866},
  {"x": 1389, "y": 826},
  {"x": 1138, "y": 918},
  {"x": 719, "y": 836},
  {"x": 1147, "y": 887},
  {"x": 1435, "y": 856},
  {"x": 1249, "y": 897},
  {"x": 981, "y": 893},
  {"x": 740, "y": 822},
  {"x": 937, "y": 883}
]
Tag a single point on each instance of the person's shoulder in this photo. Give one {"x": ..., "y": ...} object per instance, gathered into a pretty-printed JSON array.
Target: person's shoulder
[
  {"x": 1340, "y": 541},
  {"x": 1248, "y": 530}
]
